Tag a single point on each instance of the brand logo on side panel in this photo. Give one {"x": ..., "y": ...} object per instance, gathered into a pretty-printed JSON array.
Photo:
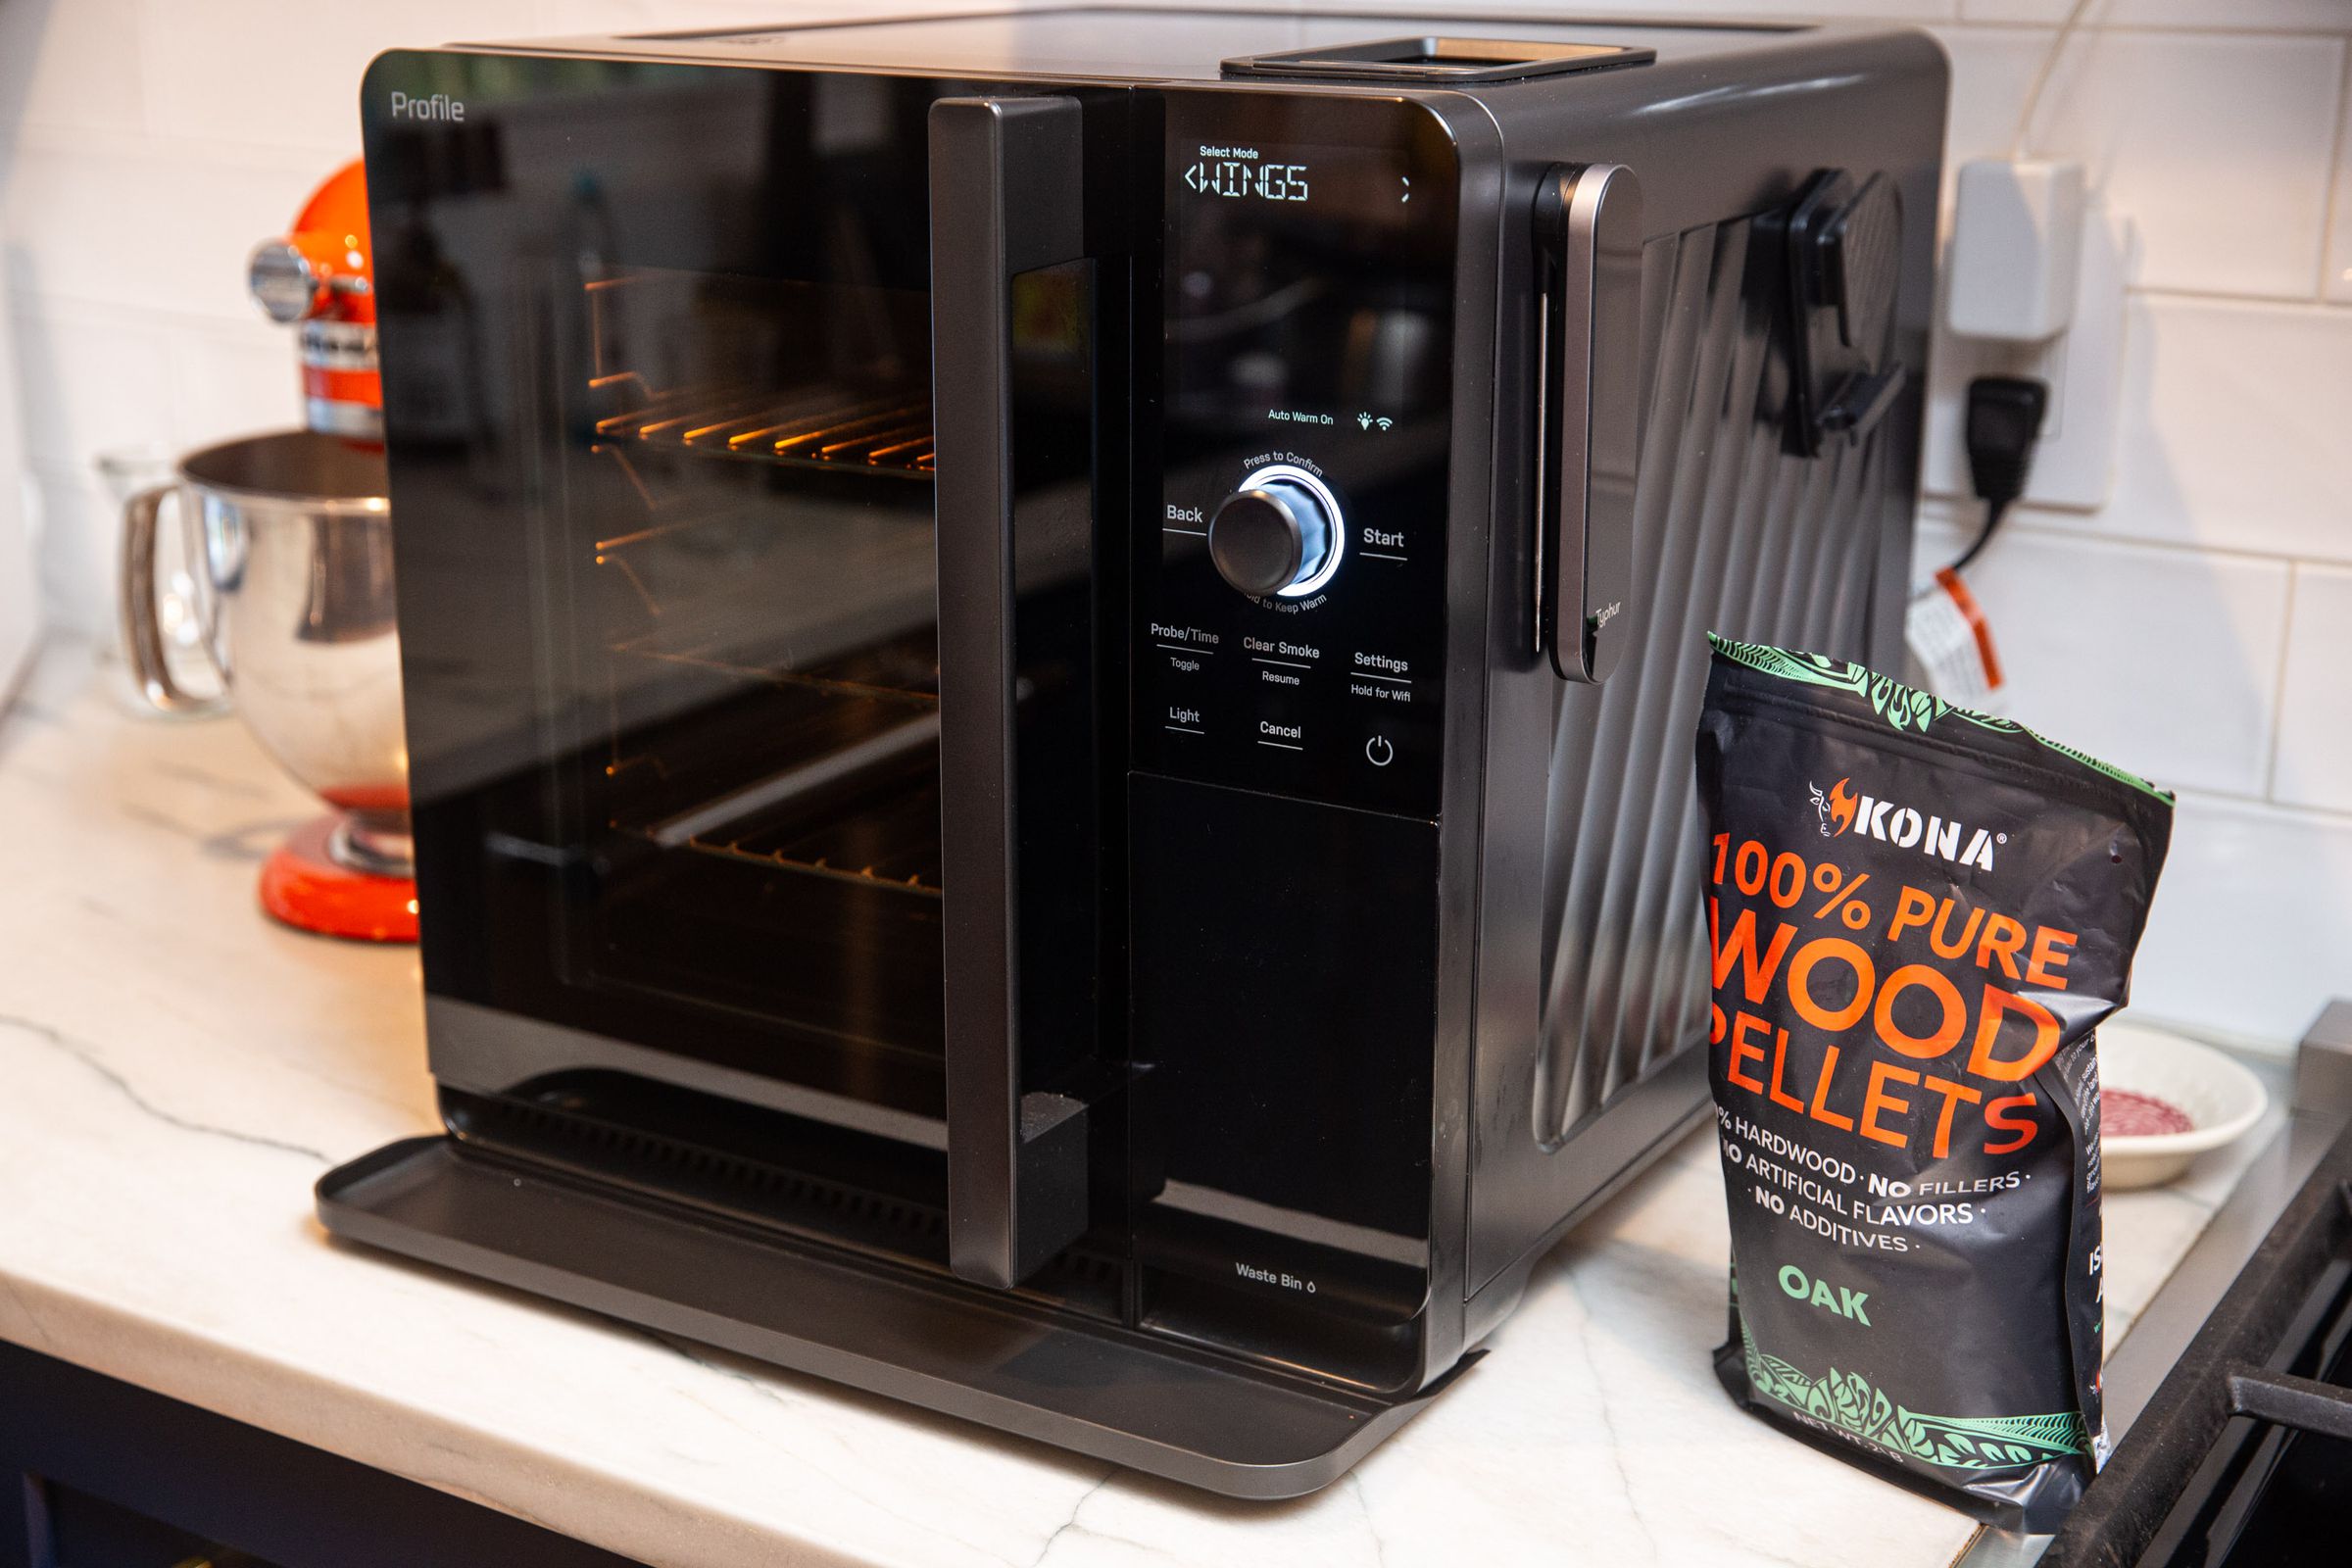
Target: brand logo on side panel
[{"x": 440, "y": 106}]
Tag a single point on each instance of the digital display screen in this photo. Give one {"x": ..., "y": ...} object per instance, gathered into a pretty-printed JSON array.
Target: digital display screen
[
  {"x": 1291, "y": 269},
  {"x": 1359, "y": 185},
  {"x": 1307, "y": 329},
  {"x": 1236, "y": 171}
]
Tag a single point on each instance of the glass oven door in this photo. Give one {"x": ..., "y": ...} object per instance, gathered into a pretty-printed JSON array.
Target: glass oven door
[
  {"x": 743, "y": 598},
  {"x": 726, "y": 803}
]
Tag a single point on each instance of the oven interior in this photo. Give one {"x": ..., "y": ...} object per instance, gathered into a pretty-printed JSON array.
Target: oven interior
[
  {"x": 748, "y": 590},
  {"x": 735, "y": 597}
]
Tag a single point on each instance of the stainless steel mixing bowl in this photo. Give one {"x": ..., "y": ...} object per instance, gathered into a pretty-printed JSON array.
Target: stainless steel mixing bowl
[{"x": 291, "y": 539}]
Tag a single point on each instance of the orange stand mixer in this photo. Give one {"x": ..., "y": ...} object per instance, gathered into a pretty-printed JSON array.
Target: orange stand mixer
[
  {"x": 348, "y": 874},
  {"x": 290, "y": 545}
]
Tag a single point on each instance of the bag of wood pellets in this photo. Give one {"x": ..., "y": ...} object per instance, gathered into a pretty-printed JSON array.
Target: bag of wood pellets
[{"x": 1918, "y": 916}]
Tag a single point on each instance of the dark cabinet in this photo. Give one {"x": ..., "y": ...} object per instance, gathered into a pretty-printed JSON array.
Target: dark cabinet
[{"x": 96, "y": 1473}]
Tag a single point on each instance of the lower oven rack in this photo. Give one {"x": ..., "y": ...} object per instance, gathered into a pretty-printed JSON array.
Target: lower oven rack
[
  {"x": 856, "y": 793},
  {"x": 893, "y": 840}
]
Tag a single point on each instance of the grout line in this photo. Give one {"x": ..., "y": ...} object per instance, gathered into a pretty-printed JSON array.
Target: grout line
[
  {"x": 2326, "y": 815},
  {"x": 245, "y": 154},
  {"x": 38, "y": 302},
  {"x": 2287, "y": 640},
  {"x": 2301, "y": 303},
  {"x": 2150, "y": 28},
  {"x": 2030, "y": 518}
]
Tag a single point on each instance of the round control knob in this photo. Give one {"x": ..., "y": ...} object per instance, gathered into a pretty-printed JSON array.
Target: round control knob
[{"x": 1278, "y": 534}]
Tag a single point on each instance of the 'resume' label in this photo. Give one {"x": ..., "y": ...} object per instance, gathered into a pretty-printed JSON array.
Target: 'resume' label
[{"x": 1917, "y": 916}]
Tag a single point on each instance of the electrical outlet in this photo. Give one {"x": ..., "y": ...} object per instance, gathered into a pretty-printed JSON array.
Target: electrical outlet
[{"x": 2074, "y": 461}]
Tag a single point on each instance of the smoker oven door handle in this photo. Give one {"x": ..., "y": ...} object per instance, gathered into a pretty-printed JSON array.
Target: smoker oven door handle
[
  {"x": 1589, "y": 231},
  {"x": 1006, "y": 194}
]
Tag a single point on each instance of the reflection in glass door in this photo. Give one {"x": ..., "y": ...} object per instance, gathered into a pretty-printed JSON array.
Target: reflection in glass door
[
  {"x": 749, "y": 619},
  {"x": 661, "y": 394}
]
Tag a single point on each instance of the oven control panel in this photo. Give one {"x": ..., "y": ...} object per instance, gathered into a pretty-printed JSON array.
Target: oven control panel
[{"x": 1289, "y": 606}]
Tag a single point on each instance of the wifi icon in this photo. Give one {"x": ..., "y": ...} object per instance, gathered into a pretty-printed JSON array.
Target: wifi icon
[{"x": 1384, "y": 424}]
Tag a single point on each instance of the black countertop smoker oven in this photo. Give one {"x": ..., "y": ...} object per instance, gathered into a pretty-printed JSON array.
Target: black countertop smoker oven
[{"x": 1049, "y": 662}]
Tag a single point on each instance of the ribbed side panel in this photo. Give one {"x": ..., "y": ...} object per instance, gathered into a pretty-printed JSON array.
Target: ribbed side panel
[{"x": 1733, "y": 535}]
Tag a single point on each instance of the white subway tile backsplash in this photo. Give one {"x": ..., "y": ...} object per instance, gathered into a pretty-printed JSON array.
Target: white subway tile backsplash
[
  {"x": 159, "y": 228},
  {"x": 80, "y": 543},
  {"x": 2218, "y": 16},
  {"x": 93, "y": 381},
  {"x": 2251, "y": 930},
  {"x": 198, "y": 55},
  {"x": 88, "y": 380},
  {"x": 230, "y": 383},
  {"x": 2107, "y": 646},
  {"x": 2215, "y": 145},
  {"x": 1993, "y": 71},
  {"x": 2233, "y": 433},
  {"x": 69, "y": 65},
  {"x": 2315, "y": 705}
]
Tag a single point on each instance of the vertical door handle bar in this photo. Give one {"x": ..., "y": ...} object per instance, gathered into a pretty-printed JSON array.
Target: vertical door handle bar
[
  {"x": 1006, "y": 193},
  {"x": 1589, "y": 230}
]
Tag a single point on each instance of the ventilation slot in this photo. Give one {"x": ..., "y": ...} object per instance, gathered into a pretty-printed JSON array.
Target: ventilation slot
[
  {"x": 704, "y": 1177},
  {"x": 575, "y": 1133}
]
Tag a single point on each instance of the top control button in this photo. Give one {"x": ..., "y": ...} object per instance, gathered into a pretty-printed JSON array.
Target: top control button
[{"x": 1278, "y": 534}]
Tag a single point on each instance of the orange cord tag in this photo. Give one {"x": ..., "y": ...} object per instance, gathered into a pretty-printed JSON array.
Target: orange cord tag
[{"x": 1946, "y": 631}]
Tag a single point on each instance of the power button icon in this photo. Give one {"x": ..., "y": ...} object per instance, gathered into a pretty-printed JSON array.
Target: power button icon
[{"x": 1378, "y": 752}]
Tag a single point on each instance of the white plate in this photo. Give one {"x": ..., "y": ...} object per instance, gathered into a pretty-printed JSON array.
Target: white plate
[{"x": 2221, "y": 1098}]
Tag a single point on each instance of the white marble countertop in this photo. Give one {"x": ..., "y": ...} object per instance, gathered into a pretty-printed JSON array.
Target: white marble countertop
[{"x": 180, "y": 1071}]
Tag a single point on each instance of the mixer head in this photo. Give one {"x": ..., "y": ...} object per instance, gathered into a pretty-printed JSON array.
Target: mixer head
[{"x": 320, "y": 275}]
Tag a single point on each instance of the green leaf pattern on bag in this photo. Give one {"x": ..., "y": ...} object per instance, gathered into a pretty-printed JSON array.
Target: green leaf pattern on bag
[
  {"x": 1848, "y": 1402},
  {"x": 1902, "y": 706}
]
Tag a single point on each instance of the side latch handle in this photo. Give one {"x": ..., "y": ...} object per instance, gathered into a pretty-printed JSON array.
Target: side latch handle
[
  {"x": 1589, "y": 233},
  {"x": 1843, "y": 254}
]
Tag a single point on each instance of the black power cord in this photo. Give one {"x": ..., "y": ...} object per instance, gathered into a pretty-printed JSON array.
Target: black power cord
[{"x": 2004, "y": 420}]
